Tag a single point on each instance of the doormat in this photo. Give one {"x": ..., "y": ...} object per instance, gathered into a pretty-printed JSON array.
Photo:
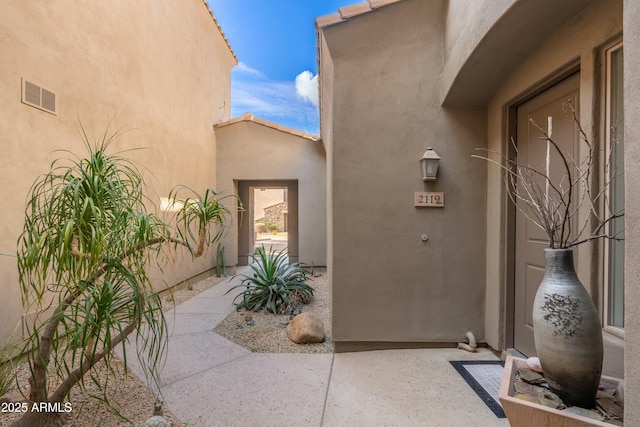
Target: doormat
[{"x": 484, "y": 377}]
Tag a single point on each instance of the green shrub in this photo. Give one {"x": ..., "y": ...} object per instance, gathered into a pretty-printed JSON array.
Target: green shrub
[
  {"x": 83, "y": 259},
  {"x": 273, "y": 283},
  {"x": 7, "y": 371}
]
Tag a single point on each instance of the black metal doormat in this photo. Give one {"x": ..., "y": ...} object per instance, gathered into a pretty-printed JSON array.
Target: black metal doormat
[{"x": 484, "y": 378}]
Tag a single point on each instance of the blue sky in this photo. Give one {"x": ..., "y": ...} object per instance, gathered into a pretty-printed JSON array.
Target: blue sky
[{"x": 275, "y": 42}]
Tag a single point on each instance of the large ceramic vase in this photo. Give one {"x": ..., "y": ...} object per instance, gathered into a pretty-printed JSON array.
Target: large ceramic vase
[{"x": 567, "y": 331}]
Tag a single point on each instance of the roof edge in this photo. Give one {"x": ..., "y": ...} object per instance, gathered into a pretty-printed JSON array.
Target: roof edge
[
  {"x": 215, "y": 21},
  {"x": 248, "y": 117},
  {"x": 347, "y": 12}
]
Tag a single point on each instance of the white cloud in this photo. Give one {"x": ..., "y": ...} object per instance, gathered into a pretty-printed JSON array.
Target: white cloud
[
  {"x": 263, "y": 98},
  {"x": 307, "y": 87},
  {"x": 244, "y": 68},
  {"x": 277, "y": 101}
]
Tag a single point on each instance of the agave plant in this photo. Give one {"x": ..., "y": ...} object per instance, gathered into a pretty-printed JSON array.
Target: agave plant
[
  {"x": 82, "y": 262},
  {"x": 274, "y": 283}
]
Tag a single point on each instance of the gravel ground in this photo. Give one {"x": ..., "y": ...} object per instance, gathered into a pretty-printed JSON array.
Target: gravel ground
[
  {"x": 134, "y": 400},
  {"x": 266, "y": 333},
  {"x": 131, "y": 397}
]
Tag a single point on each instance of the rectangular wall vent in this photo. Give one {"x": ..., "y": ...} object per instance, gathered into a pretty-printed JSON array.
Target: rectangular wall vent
[{"x": 39, "y": 97}]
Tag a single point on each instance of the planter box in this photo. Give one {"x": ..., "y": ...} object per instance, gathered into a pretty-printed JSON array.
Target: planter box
[{"x": 524, "y": 414}]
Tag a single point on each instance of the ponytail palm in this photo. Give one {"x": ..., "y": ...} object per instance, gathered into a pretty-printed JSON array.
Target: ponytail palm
[{"x": 82, "y": 260}]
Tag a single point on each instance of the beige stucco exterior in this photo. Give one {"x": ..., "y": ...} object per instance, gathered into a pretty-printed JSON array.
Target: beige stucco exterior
[
  {"x": 381, "y": 90},
  {"x": 449, "y": 74},
  {"x": 158, "y": 70},
  {"x": 631, "y": 17},
  {"x": 253, "y": 150}
]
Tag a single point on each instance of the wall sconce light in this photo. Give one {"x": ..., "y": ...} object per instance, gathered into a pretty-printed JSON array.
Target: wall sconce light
[{"x": 429, "y": 163}]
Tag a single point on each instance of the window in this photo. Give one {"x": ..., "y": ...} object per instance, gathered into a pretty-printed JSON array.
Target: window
[{"x": 614, "y": 278}]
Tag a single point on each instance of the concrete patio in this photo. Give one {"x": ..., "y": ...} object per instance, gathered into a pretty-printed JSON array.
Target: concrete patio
[{"x": 210, "y": 381}]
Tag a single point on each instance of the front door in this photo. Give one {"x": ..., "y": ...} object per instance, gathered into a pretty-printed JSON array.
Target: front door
[{"x": 530, "y": 240}]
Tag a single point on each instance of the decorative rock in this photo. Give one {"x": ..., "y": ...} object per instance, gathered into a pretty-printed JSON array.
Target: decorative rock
[
  {"x": 157, "y": 419},
  {"x": 305, "y": 328},
  {"x": 293, "y": 310},
  {"x": 611, "y": 408},
  {"x": 522, "y": 387},
  {"x": 606, "y": 393},
  {"x": 533, "y": 363},
  {"x": 529, "y": 376},
  {"x": 539, "y": 400},
  {"x": 585, "y": 413},
  {"x": 537, "y": 394}
]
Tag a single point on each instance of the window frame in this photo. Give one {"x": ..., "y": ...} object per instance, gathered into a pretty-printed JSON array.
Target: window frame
[{"x": 607, "y": 312}]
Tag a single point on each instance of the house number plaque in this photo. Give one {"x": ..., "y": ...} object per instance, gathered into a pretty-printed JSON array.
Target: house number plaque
[{"x": 429, "y": 200}]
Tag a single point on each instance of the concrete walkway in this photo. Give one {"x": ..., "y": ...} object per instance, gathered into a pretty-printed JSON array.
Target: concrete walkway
[{"x": 210, "y": 381}]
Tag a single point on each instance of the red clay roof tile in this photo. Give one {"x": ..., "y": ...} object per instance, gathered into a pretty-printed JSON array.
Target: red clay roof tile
[
  {"x": 215, "y": 21},
  {"x": 348, "y": 12},
  {"x": 375, "y": 4},
  {"x": 248, "y": 117},
  {"x": 355, "y": 9},
  {"x": 325, "y": 21}
]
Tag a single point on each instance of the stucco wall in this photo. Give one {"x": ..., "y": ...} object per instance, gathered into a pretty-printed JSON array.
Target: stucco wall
[
  {"x": 326, "y": 76},
  {"x": 252, "y": 152},
  {"x": 388, "y": 285},
  {"x": 632, "y": 209},
  {"x": 483, "y": 39},
  {"x": 160, "y": 70},
  {"x": 467, "y": 22}
]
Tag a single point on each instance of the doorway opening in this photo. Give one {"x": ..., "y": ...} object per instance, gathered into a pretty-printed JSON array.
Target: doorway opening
[
  {"x": 270, "y": 218},
  {"x": 272, "y": 208}
]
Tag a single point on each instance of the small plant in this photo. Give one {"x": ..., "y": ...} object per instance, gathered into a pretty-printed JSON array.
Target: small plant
[
  {"x": 7, "y": 371},
  {"x": 6, "y": 376},
  {"x": 271, "y": 227},
  {"x": 274, "y": 282},
  {"x": 220, "y": 264}
]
